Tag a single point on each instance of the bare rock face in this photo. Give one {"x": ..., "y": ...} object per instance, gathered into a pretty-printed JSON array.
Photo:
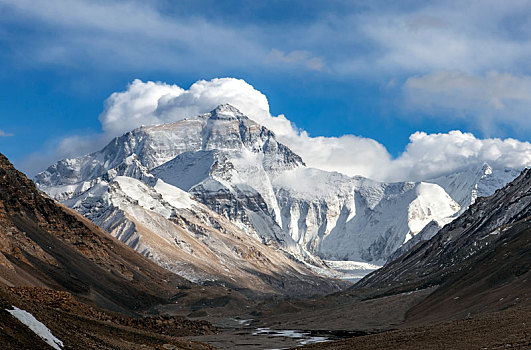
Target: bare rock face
[{"x": 238, "y": 169}]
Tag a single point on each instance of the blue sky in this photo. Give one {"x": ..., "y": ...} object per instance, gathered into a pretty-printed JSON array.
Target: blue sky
[{"x": 381, "y": 70}]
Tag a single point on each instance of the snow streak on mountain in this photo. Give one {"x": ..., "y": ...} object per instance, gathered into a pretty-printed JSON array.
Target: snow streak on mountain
[{"x": 222, "y": 171}]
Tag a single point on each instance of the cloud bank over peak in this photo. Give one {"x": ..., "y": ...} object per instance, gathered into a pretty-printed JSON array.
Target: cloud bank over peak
[
  {"x": 432, "y": 155},
  {"x": 145, "y": 103},
  {"x": 426, "y": 156}
]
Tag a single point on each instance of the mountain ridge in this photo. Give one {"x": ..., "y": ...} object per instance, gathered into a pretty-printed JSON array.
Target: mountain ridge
[
  {"x": 236, "y": 167},
  {"x": 487, "y": 246},
  {"x": 46, "y": 244}
]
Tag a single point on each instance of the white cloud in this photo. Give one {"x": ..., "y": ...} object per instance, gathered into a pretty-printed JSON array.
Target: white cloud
[
  {"x": 471, "y": 36},
  {"x": 128, "y": 35},
  {"x": 348, "y": 154},
  {"x": 431, "y": 155},
  {"x": 145, "y": 103},
  {"x": 353, "y": 40},
  {"x": 426, "y": 156},
  {"x": 494, "y": 98},
  {"x": 5, "y": 134}
]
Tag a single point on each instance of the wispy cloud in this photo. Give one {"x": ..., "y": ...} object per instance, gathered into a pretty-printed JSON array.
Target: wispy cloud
[
  {"x": 126, "y": 35},
  {"x": 373, "y": 40},
  {"x": 5, "y": 134},
  {"x": 490, "y": 99},
  {"x": 471, "y": 36},
  {"x": 295, "y": 58}
]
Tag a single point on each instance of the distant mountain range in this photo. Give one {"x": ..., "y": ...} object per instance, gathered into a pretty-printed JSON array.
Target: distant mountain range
[{"x": 165, "y": 189}]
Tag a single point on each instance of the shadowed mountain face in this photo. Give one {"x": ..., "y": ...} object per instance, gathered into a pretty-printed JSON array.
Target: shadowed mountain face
[
  {"x": 480, "y": 262},
  {"x": 45, "y": 244}
]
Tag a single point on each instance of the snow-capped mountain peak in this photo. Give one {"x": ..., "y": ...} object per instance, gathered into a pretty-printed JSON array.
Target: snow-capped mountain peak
[
  {"x": 237, "y": 168},
  {"x": 466, "y": 185},
  {"x": 226, "y": 111}
]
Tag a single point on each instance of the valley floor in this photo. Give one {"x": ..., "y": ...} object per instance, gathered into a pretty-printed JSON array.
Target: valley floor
[
  {"x": 381, "y": 323},
  {"x": 504, "y": 329},
  {"x": 281, "y": 324}
]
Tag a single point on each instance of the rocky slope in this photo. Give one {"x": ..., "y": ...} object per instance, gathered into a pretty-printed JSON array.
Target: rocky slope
[
  {"x": 75, "y": 325},
  {"x": 183, "y": 235},
  {"x": 46, "y": 244},
  {"x": 472, "y": 279},
  {"x": 236, "y": 168},
  {"x": 186, "y": 237},
  {"x": 506, "y": 329},
  {"x": 480, "y": 262},
  {"x": 466, "y": 287}
]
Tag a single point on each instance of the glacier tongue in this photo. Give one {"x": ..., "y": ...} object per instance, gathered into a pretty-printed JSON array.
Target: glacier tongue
[{"x": 224, "y": 162}]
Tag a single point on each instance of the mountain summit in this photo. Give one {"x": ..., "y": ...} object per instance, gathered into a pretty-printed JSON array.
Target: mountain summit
[{"x": 226, "y": 163}]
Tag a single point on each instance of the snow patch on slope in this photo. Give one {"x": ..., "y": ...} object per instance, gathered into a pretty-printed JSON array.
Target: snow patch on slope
[
  {"x": 37, "y": 327},
  {"x": 142, "y": 195},
  {"x": 468, "y": 184},
  {"x": 187, "y": 169}
]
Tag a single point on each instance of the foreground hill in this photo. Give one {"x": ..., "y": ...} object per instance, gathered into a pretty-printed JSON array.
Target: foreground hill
[
  {"x": 480, "y": 262},
  {"x": 75, "y": 325},
  {"x": 500, "y": 330},
  {"x": 88, "y": 288},
  {"x": 48, "y": 245}
]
